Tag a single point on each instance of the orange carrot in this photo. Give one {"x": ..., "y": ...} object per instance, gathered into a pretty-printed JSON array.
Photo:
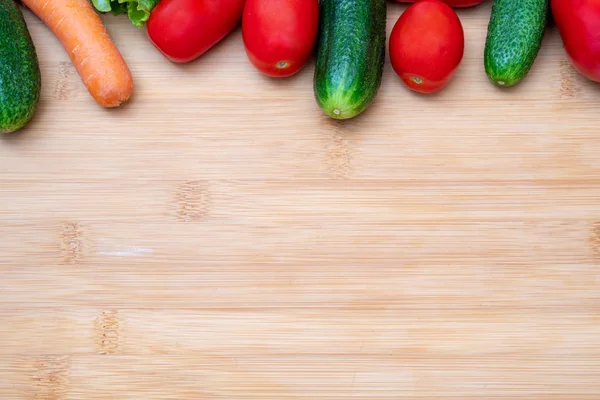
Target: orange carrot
[{"x": 82, "y": 33}]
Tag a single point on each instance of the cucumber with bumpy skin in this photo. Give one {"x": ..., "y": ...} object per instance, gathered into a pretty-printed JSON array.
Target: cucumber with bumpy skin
[
  {"x": 515, "y": 34},
  {"x": 20, "y": 77},
  {"x": 350, "y": 56}
]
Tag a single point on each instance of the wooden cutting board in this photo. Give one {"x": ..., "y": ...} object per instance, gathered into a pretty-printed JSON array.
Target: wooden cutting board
[{"x": 220, "y": 238}]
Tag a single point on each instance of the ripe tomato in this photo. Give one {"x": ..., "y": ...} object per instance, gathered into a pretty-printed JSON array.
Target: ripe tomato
[
  {"x": 578, "y": 22},
  {"x": 427, "y": 45},
  {"x": 452, "y": 3},
  {"x": 279, "y": 35},
  {"x": 183, "y": 30}
]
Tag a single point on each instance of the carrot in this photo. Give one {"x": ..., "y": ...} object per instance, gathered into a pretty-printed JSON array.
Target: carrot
[{"x": 83, "y": 35}]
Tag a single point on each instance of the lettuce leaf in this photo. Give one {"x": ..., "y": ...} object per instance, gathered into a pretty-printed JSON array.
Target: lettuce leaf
[{"x": 138, "y": 11}]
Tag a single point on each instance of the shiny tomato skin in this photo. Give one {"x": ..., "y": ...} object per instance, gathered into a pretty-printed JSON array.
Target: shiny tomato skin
[
  {"x": 279, "y": 35},
  {"x": 578, "y": 22},
  {"x": 183, "y": 30},
  {"x": 452, "y": 3},
  {"x": 427, "y": 45}
]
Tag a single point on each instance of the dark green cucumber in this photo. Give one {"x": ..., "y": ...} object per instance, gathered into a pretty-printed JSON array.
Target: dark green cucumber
[
  {"x": 350, "y": 55},
  {"x": 20, "y": 78},
  {"x": 515, "y": 34}
]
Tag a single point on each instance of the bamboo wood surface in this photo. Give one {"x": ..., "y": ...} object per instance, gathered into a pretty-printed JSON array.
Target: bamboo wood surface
[{"x": 219, "y": 238}]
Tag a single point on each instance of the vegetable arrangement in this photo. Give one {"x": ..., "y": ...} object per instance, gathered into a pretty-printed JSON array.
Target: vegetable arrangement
[{"x": 426, "y": 45}]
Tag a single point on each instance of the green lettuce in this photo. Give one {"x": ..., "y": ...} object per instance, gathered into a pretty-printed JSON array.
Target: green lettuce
[{"x": 138, "y": 11}]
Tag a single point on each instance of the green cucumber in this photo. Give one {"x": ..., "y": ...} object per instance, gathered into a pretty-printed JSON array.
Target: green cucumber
[
  {"x": 20, "y": 77},
  {"x": 514, "y": 38},
  {"x": 350, "y": 56}
]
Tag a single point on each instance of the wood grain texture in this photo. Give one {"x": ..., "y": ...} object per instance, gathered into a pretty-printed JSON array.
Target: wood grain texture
[{"x": 219, "y": 238}]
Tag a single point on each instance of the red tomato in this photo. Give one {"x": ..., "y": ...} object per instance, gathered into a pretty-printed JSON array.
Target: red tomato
[
  {"x": 452, "y": 3},
  {"x": 279, "y": 35},
  {"x": 427, "y": 45},
  {"x": 183, "y": 30},
  {"x": 578, "y": 22}
]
